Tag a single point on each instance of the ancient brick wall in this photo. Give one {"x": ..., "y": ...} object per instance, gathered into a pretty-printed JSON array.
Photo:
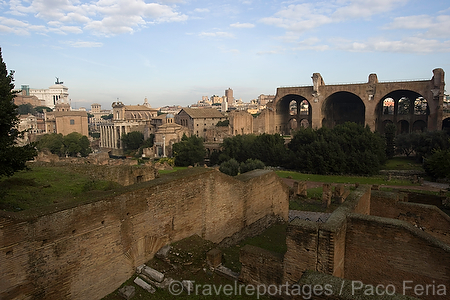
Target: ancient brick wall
[
  {"x": 87, "y": 251},
  {"x": 428, "y": 218},
  {"x": 321, "y": 247},
  {"x": 252, "y": 258},
  {"x": 388, "y": 251}
]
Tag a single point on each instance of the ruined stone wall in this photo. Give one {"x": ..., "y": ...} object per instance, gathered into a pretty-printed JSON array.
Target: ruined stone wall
[
  {"x": 387, "y": 251},
  {"x": 87, "y": 251},
  {"x": 321, "y": 247},
  {"x": 428, "y": 218},
  {"x": 252, "y": 258}
]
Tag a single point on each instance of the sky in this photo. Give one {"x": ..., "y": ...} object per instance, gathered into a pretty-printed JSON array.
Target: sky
[{"x": 173, "y": 52}]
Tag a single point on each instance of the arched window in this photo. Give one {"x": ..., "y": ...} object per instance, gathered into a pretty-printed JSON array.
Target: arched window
[
  {"x": 404, "y": 106},
  {"x": 420, "y": 106},
  {"x": 388, "y": 106}
]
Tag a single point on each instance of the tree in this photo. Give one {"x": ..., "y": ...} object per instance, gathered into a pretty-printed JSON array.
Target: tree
[
  {"x": 54, "y": 142},
  {"x": 13, "y": 157},
  {"x": 389, "y": 135},
  {"x": 107, "y": 117},
  {"x": 72, "y": 144},
  {"x": 24, "y": 109},
  {"x": 75, "y": 143},
  {"x": 133, "y": 140},
  {"x": 40, "y": 109},
  {"x": 189, "y": 151}
]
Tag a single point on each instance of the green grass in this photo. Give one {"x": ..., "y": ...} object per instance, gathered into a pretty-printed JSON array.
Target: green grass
[
  {"x": 380, "y": 180},
  {"x": 43, "y": 186},
  {"x": 403, "y": 163},
  {"x": 162, "y": 172},
  {"x": 272, "y": 239}
]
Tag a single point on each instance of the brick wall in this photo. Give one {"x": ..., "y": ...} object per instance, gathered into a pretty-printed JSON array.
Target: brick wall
[
  {"x": 86, "y": 252},
  {"x": 388, "y": 251},
  {"x": 252, "y": 258}
]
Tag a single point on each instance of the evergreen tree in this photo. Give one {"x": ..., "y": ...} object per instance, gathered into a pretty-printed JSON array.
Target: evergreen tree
[{"x": 13, "y": 157}]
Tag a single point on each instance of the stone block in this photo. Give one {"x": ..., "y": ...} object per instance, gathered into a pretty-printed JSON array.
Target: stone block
[
  {"x": 152, "y": 274},
  {"x": 326, "y": 194},
  {"x": 300, "y": 188},
  {"x": 127, "y": 292},
  {"x": 163, "y": 252},
  {"x": 214, "y": 258},
  {"x": 144, "y": 285}
]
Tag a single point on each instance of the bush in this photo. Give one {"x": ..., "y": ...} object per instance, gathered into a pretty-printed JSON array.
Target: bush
[
  {"x": 230, "y": 167},
  {"x": 438, "y": 164},
  {"x": 250, "y": 165}
]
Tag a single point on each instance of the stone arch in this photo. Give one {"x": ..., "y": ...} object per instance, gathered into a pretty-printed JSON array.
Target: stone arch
[
  {"x": 402, "y": 127},
  {"x": 385, "y": 123},
  {"x": 446, "y": 124},
  {"x": 419, "y": 126},
  {"x": 342, "y": 107},
  {"x": 291, "y": 109},
  {"x": 403, "y": 108}
]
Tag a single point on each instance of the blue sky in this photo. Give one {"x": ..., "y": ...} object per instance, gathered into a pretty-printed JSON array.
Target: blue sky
[{"x": 176, "y": 51}]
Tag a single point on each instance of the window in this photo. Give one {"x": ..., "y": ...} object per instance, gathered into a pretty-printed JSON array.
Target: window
[{"x": 72, "y": 122}]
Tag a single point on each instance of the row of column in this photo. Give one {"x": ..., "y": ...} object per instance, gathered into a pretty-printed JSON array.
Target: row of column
[{"x": 108, "y": 136}]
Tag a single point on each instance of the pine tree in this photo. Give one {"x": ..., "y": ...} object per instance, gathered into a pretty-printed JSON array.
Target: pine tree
[{"x": 12, "y": 157}]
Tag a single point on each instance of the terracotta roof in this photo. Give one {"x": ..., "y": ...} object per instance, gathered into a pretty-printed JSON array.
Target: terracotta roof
[
  {"x": 139, "y": 107},
  {"x": 203, "y": 112}
]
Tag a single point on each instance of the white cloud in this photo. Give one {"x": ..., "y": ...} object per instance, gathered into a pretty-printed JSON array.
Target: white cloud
[
  {"x": 406, "y": 45},
  {"x": 356, "y": 9},
  {"x": 201, "y": 10},
  {"x": 438, "y": 26},
  {"x": 105, "y": 17},
  {"x": 311, "y": 44},
  {"x": 84, "y": 44},
  {"x": 242, "y": 25},
  {"x": 217, "y": 34}
]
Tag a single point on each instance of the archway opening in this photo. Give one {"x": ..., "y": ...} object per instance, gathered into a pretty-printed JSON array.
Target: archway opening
[
  {"x": 404, "y": 108},
  {"x": 290, "y": 110},
  {"x": 402, "y": 127},
  {"x": 446, "y": 125},
  {"x": 343, "y": 107}
]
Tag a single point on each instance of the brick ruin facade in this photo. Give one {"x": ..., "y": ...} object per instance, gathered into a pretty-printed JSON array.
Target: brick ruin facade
[
  {"x": 87, "y": 251},
  {"x": 366, "y": 239}
]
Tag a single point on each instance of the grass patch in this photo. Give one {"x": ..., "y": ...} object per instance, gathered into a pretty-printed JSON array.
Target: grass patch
[
  {"x": 403, "y": 163},
  {"x": 43, "y": 186},
  {"x": 380, "y": 180},
  {"x": 272, "y": 239},
  {"x": 162, "y": 172}
]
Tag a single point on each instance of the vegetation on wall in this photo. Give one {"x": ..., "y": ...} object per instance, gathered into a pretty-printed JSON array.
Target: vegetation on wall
[{"x": 13, "y": 157}]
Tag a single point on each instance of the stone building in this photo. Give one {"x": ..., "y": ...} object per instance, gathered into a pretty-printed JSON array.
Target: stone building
[
  {"x": 50, "y": 97},
  {"x": 24, "y": 97},
  {"x": 168, "y": 134},
  {"x": 126, "y": 118},
  {"x": 63, "y": 120},
  {"x": 198, "y": 120}
]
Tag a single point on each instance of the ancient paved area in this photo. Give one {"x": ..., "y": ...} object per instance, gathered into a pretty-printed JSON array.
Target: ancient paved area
[{"x": 308, "y": 216}]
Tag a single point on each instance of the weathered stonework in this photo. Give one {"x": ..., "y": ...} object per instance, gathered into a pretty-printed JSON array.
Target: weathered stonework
[{"x": 65, "y": 254}]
